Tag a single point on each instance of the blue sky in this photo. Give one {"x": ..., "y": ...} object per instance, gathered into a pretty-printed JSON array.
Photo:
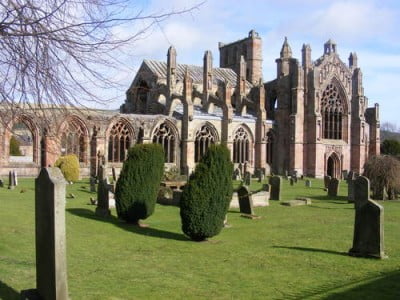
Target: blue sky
[{"x": 368, "y": 27}]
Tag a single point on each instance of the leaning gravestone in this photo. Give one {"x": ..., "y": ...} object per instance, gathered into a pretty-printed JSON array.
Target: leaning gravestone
[
  {"x": 333, "y": 187},
  {"x": 327, "y": 179},
  {"x": 103, "y": 198},
  {"x": 51, "y": 264},
  {"x": 368, "y": 226},
  {"x": 276, "y": 184},
  {"x": 246, "y": 203}
]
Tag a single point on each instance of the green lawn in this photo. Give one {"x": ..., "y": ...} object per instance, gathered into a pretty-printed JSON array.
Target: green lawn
[{"x": 290, "y": 253}]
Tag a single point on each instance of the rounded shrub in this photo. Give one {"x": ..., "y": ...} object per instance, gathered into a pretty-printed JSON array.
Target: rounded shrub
[
  {"x": 138, "y": 183},
  {"x": 206, "y": 197},
  {"x": 69, "y": 165}
]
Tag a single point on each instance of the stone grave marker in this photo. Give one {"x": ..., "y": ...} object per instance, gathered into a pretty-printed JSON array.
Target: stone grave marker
[
  {"x": 291, "y": 181},
  {"x": 245, "y": 202},
  {"x": 368, "y": 240},
  {"x": 308, "y": 183},
  {"x": 261, "y": 177},
  {"x": 103, "y": 198},
  {"x": 333, "y": 187},
  {"x": 51, "y": 262},
  {"x": 276, "y": 185},
  {"x": 114, "y": 175},
  {"x": 266, "y": 187},
  {"x": 237, "y": 174},
  {"x": 92, "y": 184},
  {"x": 247, "y": 178},
  {"x": 1, "y": 183},
  {"x": 345, "y": 173},
  {"x": 327, "y": 179},
  {"x": 101, "y": 173},
  {"x": 15, "y": 178},
  {"x": 11, "y": 180}
]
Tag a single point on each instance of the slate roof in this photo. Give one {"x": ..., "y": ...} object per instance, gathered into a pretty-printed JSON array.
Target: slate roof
[{"x": 159, "y": 68}]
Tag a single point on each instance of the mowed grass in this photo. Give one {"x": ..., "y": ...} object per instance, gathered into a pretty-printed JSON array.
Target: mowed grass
[{"x": 290, "y": 253}]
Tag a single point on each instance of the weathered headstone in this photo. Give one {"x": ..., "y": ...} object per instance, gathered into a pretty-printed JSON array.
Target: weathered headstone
[
  {"x": 1, "y": 183},
  {"x": 101, "y": 173},
  {"x": 291, "y": 181},
  {"x": 333, "y": 187},
  {"x": 247, "y": 178},
  {"x": 103, "y": 199},
  {"x": 327, "y": 179},
  {"x": 368, "y": 240},
  {"x": 237, "y": 174},
  {"x": 345, "y": 173},
  {"x": 15, "y": 178},
  {"x": 11, "y": 180},
  {"x": 51, "y": 265},
  {"x": 92, "y": 184},
  {"x": 261, "y": 177},
  {"x": 266, "y": 187},
  {"x": 114, "y": 175},
  {"x": 276, "y": 184},
  {"x": 245, "y": 202},
  {"x": 308, "y": 183},
  {"x": 302, "y": 177}
]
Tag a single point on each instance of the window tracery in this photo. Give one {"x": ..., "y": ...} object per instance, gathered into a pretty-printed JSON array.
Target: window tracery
[
  {"x": 241, "y": 146},
  {"x": 332, "y": 112},
  {"x": 73, "y": 140},
  {"x": 204, "y": 138},
  {"x": 119, "y": 140},
  {"x": 164, "y": 136}
]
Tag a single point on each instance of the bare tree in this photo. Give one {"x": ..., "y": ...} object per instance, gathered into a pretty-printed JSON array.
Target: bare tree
[{"x": 57, "y": 52}]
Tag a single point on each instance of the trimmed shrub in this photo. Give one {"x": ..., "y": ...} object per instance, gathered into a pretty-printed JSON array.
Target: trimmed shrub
[
  {"x": 14, "y": 147},
  {"x": 69, "y": 165},
  {"x": 139, "y": 182},
  {"x": 383, "y": 171},
  {"x": 206, "y": 197}
]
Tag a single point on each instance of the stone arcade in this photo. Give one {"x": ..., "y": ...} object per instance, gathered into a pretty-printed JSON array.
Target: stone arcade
[{"x": 311, "y": 119}]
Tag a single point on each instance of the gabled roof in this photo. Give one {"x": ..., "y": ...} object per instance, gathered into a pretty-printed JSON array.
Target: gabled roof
[{"x": 159, "y": 69}]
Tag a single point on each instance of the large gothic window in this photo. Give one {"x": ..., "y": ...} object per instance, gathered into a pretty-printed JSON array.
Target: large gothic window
[
  {"x": 73, "y": 140},
  {"x": 332, "y": 113},
  {"x": 164, "y": 136},
  {"x": 204, "y": 138},
  {"x": 270, "y": 143},
  {"x": 119, "y": 140},
  {"x": 241, "y": 146}
]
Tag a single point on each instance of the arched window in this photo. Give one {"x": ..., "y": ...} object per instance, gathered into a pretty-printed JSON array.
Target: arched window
[
  {"x": 204, "y": 138},
  {"x": 120, "y": 139},
  {"x": 241, "y": 146},
  {"x": 270, "y": 143},
  {"x": 332, "y": 113},
  {"x": 164, "y": 136},
  {"x": 73, "y": 139}
]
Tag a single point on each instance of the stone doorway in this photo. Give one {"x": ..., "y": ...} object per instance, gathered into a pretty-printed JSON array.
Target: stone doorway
[{"x": 333, "y": 166}]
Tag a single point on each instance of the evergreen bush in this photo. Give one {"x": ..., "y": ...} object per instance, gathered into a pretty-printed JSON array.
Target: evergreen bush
[
  {"x": 69, "y": 165},
  {"x": 138, "y": 184},
  {"x": 206, "y": 197},
  {"x": 14, "y": 147}
]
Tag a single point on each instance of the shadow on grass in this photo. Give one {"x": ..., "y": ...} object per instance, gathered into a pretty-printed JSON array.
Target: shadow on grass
[
  {"x": 148, "y": 231},
  {"x": 376, "y": 286},
  {"x": 7, "y": 292},
  {"x": 311, "y": 250}
]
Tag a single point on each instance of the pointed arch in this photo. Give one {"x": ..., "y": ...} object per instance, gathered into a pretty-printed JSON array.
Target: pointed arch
[
  {"x": 242, "y": 144},
  {"x": 333, "y": 165},
  {"x": 206, "y": 135},
  {"x": 166, "y": 134},
  {"x": 120, "y": 137},
  {"x": 334, "y": 110},
  {"x": 74, "y": 137},
  {"x": 270, "y": 139}
]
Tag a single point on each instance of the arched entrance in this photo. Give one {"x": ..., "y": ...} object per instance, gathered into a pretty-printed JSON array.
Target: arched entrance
[{"x": 333, "y": 166}]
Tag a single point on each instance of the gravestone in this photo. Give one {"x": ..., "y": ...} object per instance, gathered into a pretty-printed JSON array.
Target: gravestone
[
  {"x": 92, "y": 184},
  {"x": 247, "y": 178},
  {"x": 237, "y": 174},
  {"x": 103, "y": 198},
  {"x": 261, "y": 177},
  {"x": 1, "y": 183},
  {"x": 333, "y": 187},
  {"x": 308, "y": 183},
  {"x": 11, "y": 180},
  {"x": 302, "y": 177},
  {"x": 276, "y": 184},
  {"x": 345, "y": 173},
  {"x": 291, "y": 181},
  {"x": 327, "y": 179},
  {"x": 368, "y": 240},
  {"x": 266, "y": 187},
  {"x": 114, "y": 175},
  {"x": 15, "y": 178},
  {"x": 101, "y": 173},
  {"x": 246, "y": 203},
  {"x": 51, "y": 264}
]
